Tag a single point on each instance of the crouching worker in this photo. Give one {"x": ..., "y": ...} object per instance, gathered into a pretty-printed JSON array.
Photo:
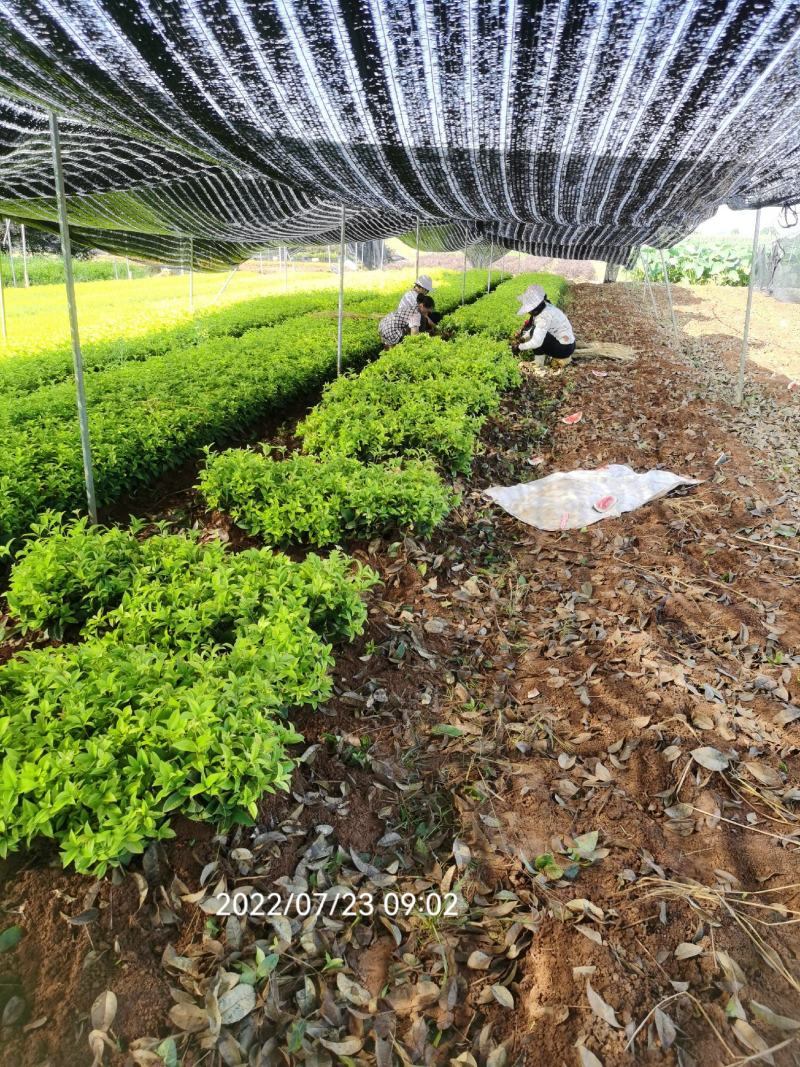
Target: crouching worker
[
  {"x": 547, "y": 331},
  {"x": 424, "y": 319},
  {"x": 419, "y": 319}
]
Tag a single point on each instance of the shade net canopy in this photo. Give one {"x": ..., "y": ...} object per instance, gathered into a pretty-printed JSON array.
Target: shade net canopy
[{"x": 569, "y": 128}]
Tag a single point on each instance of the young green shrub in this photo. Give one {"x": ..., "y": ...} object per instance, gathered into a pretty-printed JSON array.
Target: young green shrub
[
  {"x": 496, "y": 315},
  {"x": 323, "y": 501},
  {"x": 177, "y": 697},
  {"x": 103, "y": 741},
  {"x": 425, "y": 398},
  {"x": 68, "y": 571}
]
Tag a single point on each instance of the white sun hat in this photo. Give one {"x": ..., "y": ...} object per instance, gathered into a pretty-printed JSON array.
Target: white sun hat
[
  {"x": 531, "y": 298},
  {"x": 424, "y": 282}
]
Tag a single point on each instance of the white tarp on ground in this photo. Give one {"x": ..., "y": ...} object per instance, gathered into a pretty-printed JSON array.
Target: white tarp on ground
[{"x": 568, "y": 500}]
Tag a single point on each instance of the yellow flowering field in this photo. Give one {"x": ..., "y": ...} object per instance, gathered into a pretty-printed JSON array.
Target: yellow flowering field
[{"x": 37, "y": 317}]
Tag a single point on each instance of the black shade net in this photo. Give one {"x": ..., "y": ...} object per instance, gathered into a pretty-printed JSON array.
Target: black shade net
[{"x": 569, "y": 128}]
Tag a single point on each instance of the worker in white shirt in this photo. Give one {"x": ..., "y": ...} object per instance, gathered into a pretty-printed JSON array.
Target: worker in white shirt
[
  {"x": 422, "y": 287},
  {"x": 547, "y": 330}
]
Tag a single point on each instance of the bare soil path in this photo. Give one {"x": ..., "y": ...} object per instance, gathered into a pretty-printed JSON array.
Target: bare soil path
[{"x": 590, "y": 739}]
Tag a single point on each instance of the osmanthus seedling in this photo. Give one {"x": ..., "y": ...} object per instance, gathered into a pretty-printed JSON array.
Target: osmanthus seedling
[
  {"x": 177, "y": 696},
  {"x": 426, "y": 398},
  {"x": 324, "y": 501}
]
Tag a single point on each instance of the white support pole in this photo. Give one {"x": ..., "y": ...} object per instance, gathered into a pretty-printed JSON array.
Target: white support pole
[
  {"x": 464, "y": 275},
  {"x": 489, "y": 272},
  {"x": 226, "y": 283},
  {"x": 25, "y": 277},
  {"x": 191, "y": 275},
  {"x": 646, "y": 269},
  {"x": 116, "y": 271},
  {"x": 11, "y": 254},
  {"x": 260, "y": 262},
  {"x": 749, "y": 308},
  {"x": 416, "y": 264},
  {"x": 340, "y": 316},
  {"x": 669, "y": 297},
  {"x": 383, "y": 244},
  {"x": 519, "y": 261},
  {"x": 285, "y": 268},
  {"x": 66, "y": 250},
  {"x": 128, "y": 268},
  {"x": 3, "y": 331}
]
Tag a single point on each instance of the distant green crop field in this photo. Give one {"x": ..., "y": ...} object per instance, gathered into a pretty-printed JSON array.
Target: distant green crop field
[
  {"x": 49, "y": 270},
  {"x": 724, "y": 261}
]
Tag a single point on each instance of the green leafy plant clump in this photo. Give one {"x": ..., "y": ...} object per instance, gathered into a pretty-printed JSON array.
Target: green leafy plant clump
[
  {"x": 322, "y": 501},
  {"x": 721, "y": 261},
  {"x": 496, "y": 315},
  {"x": 175, "y": 698},
  {"x": 426, "y": 398}
]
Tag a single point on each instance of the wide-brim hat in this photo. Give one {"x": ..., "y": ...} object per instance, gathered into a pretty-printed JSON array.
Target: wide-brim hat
[
  {"x": 530, "y": 299},
  {"x": 424, "y": 282}
]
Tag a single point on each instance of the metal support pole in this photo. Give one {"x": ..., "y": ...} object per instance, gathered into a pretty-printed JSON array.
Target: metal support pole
[
  {"x": 3, "y": 331},
  {"x": 464, "y": 276},
  {"x": 519, "y": 261},
  {"x": 25, "y": 277},
  {"x": 416, "y": 265},
  {"x": 383, "y": 245},
  {"x": 116, "y": 271},
  {"x": 341, "y": 297},
  {"x": 489, "y": 272},
  {"x": 226, "y": 283},
  {"x": 128, "y": 268},
  {"x": 646, "y": 269},
  {"x": 746, "y": 335},
  {"x": 669, "y": 297},
  {"x": 285, "y": 268},
  {"x": 11, "y": 254},
  {"x": 260, "y": 262},
  {"x": 66, "y": 251},
  {"x": 191, "y": 275}
]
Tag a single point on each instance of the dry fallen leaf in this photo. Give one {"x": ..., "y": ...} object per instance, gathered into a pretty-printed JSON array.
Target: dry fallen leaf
[
  {"x": 352, "y": 991},
  {"x": 502, "y": 996},
  {"x": 349, "y": 1047},
  {"x": 236, "y": 1004},
  {"x": 603, "y": 1010},
  {"x": 751, "y": 1039},
  {"x": 665, "y": 1027},
  {"x": 104, "y": 1010},
  {"x": 479, "y": 961},
  {"x": 686, "y": 950},
  {"x": 780, "y": 1022},
  {"x": 767, "y": 776},
  {"x": 710, "y": 758},
  {"x": 461, "y": 853},
  {"x": 189, "y": 1017},
  {"x": 587, "y": 1057}
]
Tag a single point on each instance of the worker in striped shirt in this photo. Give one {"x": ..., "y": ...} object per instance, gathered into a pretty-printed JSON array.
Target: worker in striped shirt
[{"x": 394, "y": 326}]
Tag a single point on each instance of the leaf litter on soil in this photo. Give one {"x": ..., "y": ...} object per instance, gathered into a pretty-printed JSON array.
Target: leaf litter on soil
[{"x": 584, "y": 739}]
